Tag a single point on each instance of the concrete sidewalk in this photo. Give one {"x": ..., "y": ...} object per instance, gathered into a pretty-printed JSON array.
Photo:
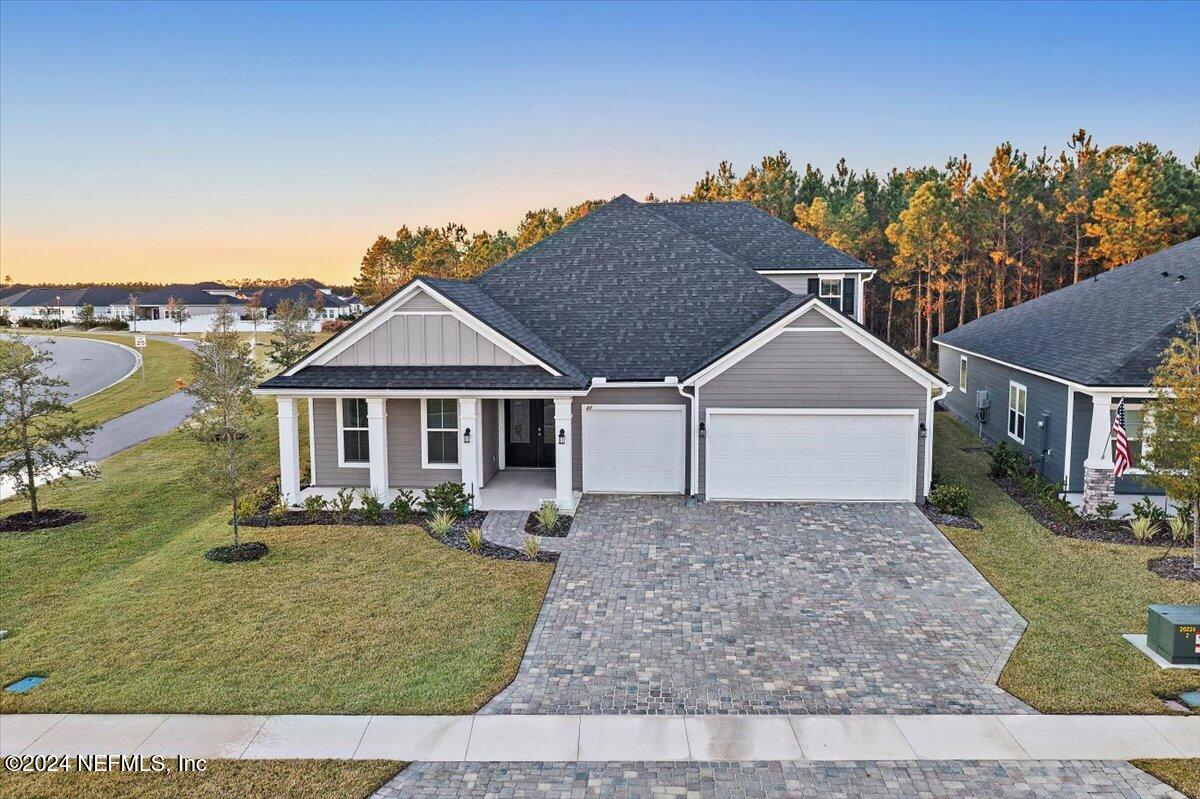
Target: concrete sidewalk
[{"x": 516, "y": 738}]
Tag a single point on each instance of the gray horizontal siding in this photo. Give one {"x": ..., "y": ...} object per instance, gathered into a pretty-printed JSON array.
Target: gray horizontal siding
[
  {"x": 797, "y": 284},
  {"x": 619, "y": 396},
  {"x": 1126, "y": 484},
  {"x": 814, "y": 370},
  {"x": 404, "y": 449},
  {"x": 1042, "y": 396}
]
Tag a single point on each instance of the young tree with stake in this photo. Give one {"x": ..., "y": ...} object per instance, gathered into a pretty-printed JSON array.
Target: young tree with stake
[
  {"x": 223, "y": 378},
  {"x": 40, "y": 436},
  {"x": 1173, "y": 436}
]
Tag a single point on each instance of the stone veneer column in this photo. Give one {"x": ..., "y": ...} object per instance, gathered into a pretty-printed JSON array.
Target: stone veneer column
[{"x": 1099, "y": 484}]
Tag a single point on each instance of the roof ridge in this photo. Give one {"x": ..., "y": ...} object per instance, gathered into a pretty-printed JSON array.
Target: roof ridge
[{"x": 702, "y": 239}]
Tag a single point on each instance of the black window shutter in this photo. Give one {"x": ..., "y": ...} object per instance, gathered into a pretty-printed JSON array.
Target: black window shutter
[
  {"x": 848, "y": 295},
  {"x": 814, "y": 285}
]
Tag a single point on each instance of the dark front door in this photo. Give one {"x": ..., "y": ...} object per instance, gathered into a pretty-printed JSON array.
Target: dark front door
[{"x": 529, "y": 433}]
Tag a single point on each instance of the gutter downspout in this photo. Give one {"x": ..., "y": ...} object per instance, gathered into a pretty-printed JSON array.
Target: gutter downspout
[
  {"x": 862, "y": 298},
  {"x": 694, "y": 449}
]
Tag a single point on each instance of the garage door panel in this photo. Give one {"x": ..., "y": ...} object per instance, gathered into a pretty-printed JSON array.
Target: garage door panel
[
  {"x": 634, "y": 449},
  {"x": 813, "y": 456}
]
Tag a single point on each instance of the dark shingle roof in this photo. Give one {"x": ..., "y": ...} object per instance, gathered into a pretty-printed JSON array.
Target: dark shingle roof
[
  {"x": 1109, "y": 330},
  {"x": 416, "y": 377},
  {"x": 628, "y": 292},
  {"x": 297, "y": 292},
  {"x": 629, "y": 295},
  {"x": 755, "y": 237},
  {"x": 90, "y": 295},
  {"x": 186, "y": 294}
]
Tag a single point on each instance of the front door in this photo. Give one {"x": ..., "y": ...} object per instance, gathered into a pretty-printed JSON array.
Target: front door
[{"x": 529, "y": 433}]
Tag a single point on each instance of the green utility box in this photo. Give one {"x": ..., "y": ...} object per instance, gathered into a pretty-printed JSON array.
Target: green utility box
[{"x": 1173, "y": 631}]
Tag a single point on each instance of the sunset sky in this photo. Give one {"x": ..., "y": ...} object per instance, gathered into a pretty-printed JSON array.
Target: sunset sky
[{"x": 181, "y": 142}]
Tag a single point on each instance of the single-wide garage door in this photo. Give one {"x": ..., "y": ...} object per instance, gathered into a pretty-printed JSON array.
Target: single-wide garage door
[
  {"x": 811, "y": 454},
  {"x": 634, "y": 449}
]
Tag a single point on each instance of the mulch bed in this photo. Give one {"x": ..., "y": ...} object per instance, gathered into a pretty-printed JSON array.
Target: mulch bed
[
  {"x": 561, "y": 527},
  {"x": 1101, "y": 531},
  {"x": 54, "y": 517},
  {"x": 457, "y": 538},
  {"x": 949, "y": 519},
  {"x": 354, "y": 518},
  {"x": 245, "y": 551},
  {"x": 1178, "y": 568}
]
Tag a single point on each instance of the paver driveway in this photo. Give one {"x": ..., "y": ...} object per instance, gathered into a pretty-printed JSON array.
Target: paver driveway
[{"x": 763, "y": 608}]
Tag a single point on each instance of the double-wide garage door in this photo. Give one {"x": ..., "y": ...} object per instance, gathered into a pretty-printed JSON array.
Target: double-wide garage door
[
  {"x": 803, "y": 454},
  {"x": 634, "y": 449}
]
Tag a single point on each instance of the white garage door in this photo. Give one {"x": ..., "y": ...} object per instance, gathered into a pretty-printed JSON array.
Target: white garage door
[
  {"x": 811, "y": 454},
  {"x": 634, "y": 449}
]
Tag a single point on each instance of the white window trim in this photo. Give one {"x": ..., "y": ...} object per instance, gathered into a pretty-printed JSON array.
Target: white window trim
[
  {"x": 341, "y": 441},
  {"x": 425, "y": 464},
  {"x": 1144, "y": 455},
  {"x": 1008, "y": 420},
  {"x": 964, "y": 373},
  {"x": 822, "y": 296}
]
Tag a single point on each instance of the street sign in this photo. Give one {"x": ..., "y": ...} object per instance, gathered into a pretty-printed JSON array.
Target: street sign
[{"x": 139, "y": 342}]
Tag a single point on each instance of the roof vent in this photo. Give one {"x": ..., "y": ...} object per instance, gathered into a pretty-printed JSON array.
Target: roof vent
[{"x": 1166, "y": 274}]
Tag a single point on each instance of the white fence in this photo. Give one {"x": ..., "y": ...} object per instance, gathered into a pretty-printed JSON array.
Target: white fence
[{"x": 201, "y": 324}]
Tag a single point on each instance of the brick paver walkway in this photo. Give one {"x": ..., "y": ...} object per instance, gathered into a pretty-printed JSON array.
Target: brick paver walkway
[
  {"x": 848, "y": 780},
  {"x": 763, "y": 608}
]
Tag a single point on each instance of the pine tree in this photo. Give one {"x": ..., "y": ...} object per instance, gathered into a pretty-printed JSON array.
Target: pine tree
[{"x": 1128, "y": 220}]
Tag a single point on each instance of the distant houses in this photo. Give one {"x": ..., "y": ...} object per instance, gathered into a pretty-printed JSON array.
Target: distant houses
[{"x": 192, "y": 303}]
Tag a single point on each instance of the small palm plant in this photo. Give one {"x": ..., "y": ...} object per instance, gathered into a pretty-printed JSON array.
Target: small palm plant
[
  {"x": 440, "y": 524},
  {"x": 475, "y": 539},
  {"x": 531, "y": 547},
  {"x": 547, "y": 516},
  {"x": 1143, "y": 528}
]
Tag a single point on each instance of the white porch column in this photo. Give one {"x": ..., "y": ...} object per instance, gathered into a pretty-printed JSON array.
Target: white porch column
[
  {"x": 289, "y": 451},
  {"x": 470, "y": 453},
  {"x": 377, "y": 445},
  {"x": 1099, "y": 482},
  {"x": 563, "y": 452}
]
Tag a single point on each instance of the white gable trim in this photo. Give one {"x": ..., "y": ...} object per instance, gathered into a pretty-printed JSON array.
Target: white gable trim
[
  {"x": 841, "y": 323},
  {"x": 381, "y": 313}
]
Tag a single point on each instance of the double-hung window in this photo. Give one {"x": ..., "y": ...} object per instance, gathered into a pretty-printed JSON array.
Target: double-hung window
[
  {"x": 831, "y": 292},
  {"x": 439, "y": 434},
  {"x": 353, "y": 439},
  {"x": 962, "y": 373},
  {"x": 1017, "y": 396}
]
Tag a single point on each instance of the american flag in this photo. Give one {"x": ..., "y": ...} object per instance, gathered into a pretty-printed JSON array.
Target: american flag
[{"x": 1120, "y": 442}]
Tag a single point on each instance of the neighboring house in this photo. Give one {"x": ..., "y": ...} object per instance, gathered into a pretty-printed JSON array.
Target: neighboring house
[
  {"x": 195, "y": 301},
  {"x": 1052, "y": 370},
  {"x": 638, "y": 350},
  {"x": 63, "y": 304},
  {"x": 333, "y": 306}
]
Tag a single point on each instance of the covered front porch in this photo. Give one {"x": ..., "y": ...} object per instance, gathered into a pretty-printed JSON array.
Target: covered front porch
[{"x": 509, "y": 452}]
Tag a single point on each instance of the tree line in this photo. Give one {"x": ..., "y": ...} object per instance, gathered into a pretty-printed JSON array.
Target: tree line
[{"x": 951, "y": 243}]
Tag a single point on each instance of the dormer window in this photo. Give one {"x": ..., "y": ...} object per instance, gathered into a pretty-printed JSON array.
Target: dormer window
[{"x": 831, "y": 292}]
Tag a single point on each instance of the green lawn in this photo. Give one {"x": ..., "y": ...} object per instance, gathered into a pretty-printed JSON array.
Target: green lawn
[
  {"x": 1077, "y": 596},
  {"x": 123, "y": 614},
  {"x": 222, "y": 779},
  {"x": 164, "y": 363}
]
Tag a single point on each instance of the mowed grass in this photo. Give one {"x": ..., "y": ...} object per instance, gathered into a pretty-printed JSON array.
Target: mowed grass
[
  {"x": 123, "y": 614},
  {"x": 221, "y": 779},
  {"x": 164, "y": 364},
  {"x": 1078, "y": 597}
]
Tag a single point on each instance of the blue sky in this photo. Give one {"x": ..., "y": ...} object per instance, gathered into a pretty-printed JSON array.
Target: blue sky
[{"x": 180, "y": 141}]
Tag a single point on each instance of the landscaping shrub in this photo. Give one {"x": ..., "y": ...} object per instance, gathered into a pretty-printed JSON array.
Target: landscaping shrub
[
  {"x": 952, "y": 499},
  {"x": 314, "y": 504},
  {"x": 248, "y": 505},
  {"x": 344, "y": 501},
  {"x": 334, "y": 325},
  {"x": 372, "y": 506},
  {"x": 547, "y": 515},
  {"x": 1146, "y": 509},
  {"x": 404, "y": 505},
  {"x": 1179, "y": 527},
  {"x": 113, "y": 324},
  {"x": 1007, "y": 461},
  {"x": 1143, "y": 528},
  {"x": 277, "y": 513},
  {"x": 1106, "y": 510},
  {"x": 531, "y": 547},
  {"x": 441, "y": 523},
  {"x": 475, "y": 539},
  {"x": 449, "y": 497}
]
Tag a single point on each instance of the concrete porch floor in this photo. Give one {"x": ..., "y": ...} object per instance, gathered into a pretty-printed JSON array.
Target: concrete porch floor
[{"x": 510, "y": 489}]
